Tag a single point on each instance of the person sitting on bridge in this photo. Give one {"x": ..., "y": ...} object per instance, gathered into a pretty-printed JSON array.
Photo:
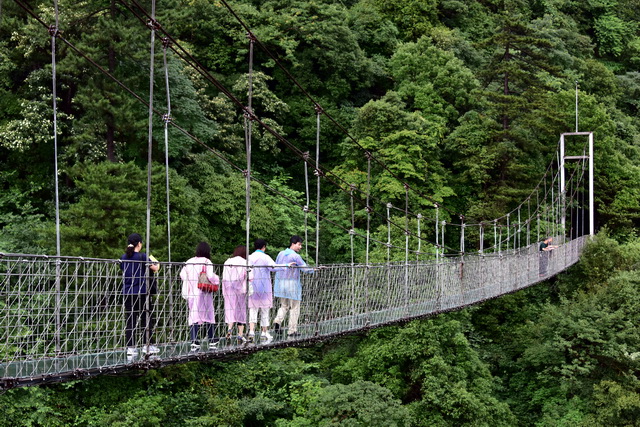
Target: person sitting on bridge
[
  {"x": 545, "y": 248},
  {"x": 200, "y": 302},
  {"x": 137, "y": 302},
  {"x": 288, "y": 286}
]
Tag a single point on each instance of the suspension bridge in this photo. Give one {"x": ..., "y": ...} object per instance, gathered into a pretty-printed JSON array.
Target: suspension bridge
[{"x": 62, "y": 318}]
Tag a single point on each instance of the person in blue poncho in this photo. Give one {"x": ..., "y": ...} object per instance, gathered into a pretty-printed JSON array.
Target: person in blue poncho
[{"x": 288, "y": 287}]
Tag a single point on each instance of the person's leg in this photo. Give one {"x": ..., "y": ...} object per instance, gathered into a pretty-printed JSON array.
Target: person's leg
[
  {"x": 140, "y": 327},
  {"x": 148, "y": 319},
  {"x": 253, "y": 318},
  {"x": 240, "y": 329},
  {"x": 282, "y": 311},
  {"x": 152, "y": 321},
  {"x": 264, "y": 318},
  {"x": 193, "y": 332},
  {"x": 211, "y": 331},
  {"x": 129, "y": 320},
  {"x": 294, "y": 313}
]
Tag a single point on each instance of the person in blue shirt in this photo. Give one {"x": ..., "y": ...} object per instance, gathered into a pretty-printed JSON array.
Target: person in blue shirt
[
  {"x": 136, "y": 293},
  {"x": 288, "y": 286}
]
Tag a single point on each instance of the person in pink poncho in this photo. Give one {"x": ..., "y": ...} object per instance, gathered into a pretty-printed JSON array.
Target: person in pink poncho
[
  {"x": 234, "y": 290},
  {"x": 201, "y": 308}
]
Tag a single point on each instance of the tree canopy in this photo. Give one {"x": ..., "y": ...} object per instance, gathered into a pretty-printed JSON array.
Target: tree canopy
[{"x": 463, "y": 101}]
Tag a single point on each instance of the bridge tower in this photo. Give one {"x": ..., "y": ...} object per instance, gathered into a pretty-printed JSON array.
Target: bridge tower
[{"x": 583, "y": 157}]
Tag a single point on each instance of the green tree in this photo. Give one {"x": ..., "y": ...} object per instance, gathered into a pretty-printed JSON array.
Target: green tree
[
  {"x": 358, "y": 403},
  {"x": 112, "y": 204},
  {"x": 431, "y": 366},
  {"x": 413, "y": 18},
  {"x": 433, "y": 81},
  {"x": 389, "y": 132}
]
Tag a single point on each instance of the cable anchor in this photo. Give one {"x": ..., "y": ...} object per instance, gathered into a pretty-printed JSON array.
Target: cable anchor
[
  {"x": 54, "y": 31},
  {"x": 248, "y": 114},
  {"x": 153, "y": 25}
]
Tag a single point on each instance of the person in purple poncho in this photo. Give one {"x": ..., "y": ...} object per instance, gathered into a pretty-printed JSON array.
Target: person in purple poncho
[
  {"x": 288, "y": 287},
  {"x": 262, "y": 298}
]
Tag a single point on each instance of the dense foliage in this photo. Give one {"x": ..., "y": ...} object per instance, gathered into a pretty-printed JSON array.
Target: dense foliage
[{"x": 462, "y": 100}]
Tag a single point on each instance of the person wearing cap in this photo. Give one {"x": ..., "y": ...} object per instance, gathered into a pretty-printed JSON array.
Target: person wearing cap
[{"x": 135, "y": 289}]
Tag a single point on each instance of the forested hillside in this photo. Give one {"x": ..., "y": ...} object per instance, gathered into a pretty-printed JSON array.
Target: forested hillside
[{"x": 462, "y": 100}]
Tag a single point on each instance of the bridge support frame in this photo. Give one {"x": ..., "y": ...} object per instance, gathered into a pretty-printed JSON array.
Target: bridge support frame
[{"x": 563, "y": 159}]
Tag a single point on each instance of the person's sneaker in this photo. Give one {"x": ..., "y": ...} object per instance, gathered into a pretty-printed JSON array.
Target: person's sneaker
[
  {"x": 132, "y": 351},
  {"x": 294, "y": 335},
  {"x": 241, "y": 339},
  {"x": 152, "y": 349},
  {"x": 213, "y": 342},
  {"x": 266, "y": 335},
  {"x": 195, "y": 346}
]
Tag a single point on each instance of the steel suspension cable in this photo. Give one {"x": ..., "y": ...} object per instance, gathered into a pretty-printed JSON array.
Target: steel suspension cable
[
  {"x": 167, "y": 120},
  {"x": 388, "y": 233},
  {"x": 318, "y": 174},
  {"x": 252, "y": 116},
  {"x": 54, "y": 31},
  {"x": 248, "y": 129},
  {"x": 306, "y": 208},
  {"x": 368, "y": 208},
  {"x": 317, "y": 105},
  {"x": 406, "y": 249},
  {"x": 419, "y": 217},
  {"x": 150, "y": 132},
  {"x": 437, "y": 234},
  {"x": 189, "y": 59},
  {"x": 147, "y": 302},
  {"x": 353, "y": 225},
  {"x": 174, "y": 124}
]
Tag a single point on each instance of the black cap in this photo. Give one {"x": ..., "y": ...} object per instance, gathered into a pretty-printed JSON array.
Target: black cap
[{"x": 134, "y": 239}]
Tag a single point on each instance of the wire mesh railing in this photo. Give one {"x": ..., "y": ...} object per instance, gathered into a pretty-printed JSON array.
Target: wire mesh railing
[{"x": 64, "y": 318}]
